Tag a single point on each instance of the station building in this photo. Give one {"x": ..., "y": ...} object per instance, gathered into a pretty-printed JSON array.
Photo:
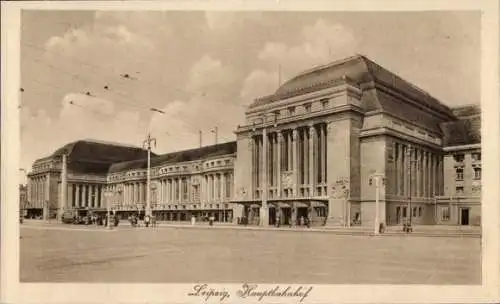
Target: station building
[{"x": 310, "y": 150}]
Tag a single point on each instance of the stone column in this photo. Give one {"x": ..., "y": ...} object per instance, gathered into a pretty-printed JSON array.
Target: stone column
[
  {"x": 264, "y": 208},
  {"x": 126, "y": 192},
  {"x": 101, "y": 196},
  {"x": 77, "y": 195},
  {"x": 223, "y": 187},
  {"x": 179, "y": 189},
  {"x": 418, "y": 172},
  {"x": 96, "y": 195},
  {"x": 46, "y": 199},
  {"x": 432, "y": 175},
  {"x": 295, "y": 165},
  {"x": 69, "y": 195},
  {"x": 440, "y": 176},
  {"x": 64, "y": 187},
  {"x": 424, "y": 174},
  {"x": 323, "y": 154},
  {"x": 278, "y": 164},
  {"x": 141, "y": 192},
  {"x": 169, "y": 190},
  {"x": 163, "y": 192},
  {"x": 207, "y": 187},
  {"x": 216, "y": 186},
  {"x": 429, "y": 176},
  {"x": 312, "y": 169},
  {"x": 89, "y": 195},
  {"x": 84, "y": 195},
  {"x": 132, "y": 193}
]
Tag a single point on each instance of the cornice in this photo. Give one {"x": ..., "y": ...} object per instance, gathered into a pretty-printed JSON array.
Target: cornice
[
  {"x": 383, "y": 131},
  {"x": 462, "y": 147},
  {"x": 316, "y": 115}
]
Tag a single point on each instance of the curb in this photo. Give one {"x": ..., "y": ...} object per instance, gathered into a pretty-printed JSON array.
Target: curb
[
  {"x": 332, "y": 231},
  {"x": 250, "y": 228}
]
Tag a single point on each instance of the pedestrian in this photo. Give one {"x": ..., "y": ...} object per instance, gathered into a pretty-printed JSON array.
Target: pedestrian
[
  {"x": 146, "y": 221},
  {"x": 193, "y": 220}
]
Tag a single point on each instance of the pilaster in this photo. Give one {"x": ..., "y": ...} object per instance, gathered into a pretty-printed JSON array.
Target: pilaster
[{"x": 295, "y": 165}]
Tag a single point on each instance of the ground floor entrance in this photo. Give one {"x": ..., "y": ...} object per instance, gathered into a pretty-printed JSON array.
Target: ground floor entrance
[
  {"x": 200, "y": 215},
  {"x": 292, "y": 213},
  {"x": 464, "y": 216}
]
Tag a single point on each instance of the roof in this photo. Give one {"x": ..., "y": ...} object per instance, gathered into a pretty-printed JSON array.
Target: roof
[
  {"x": 359, "y": 70},
  {"x": 95, "y": 156},
  {"x": 176, "y": 157},
  {"x": 467, "y": 111},
  {"x": 462, "y": 132}
]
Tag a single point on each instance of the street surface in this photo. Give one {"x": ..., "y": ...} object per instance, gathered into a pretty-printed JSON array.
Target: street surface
[{"x": 180, "y": 255}]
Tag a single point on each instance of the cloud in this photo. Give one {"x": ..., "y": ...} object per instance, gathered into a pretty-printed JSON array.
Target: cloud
[
  {"x": 320, "y": 43},
  {"x": 206, "y": 107},
  {"x": 258, "y": 83},
  {"x": 208, "y": 75},
  {"x": 87, "y": 118}
]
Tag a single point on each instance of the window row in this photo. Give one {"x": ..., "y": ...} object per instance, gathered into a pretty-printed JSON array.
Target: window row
[{"x": 459, "y": 174}]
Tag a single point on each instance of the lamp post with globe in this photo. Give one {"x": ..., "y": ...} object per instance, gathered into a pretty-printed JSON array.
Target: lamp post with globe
[
  {"x": 108, "y": 194},
  {"x": 379, "y": 180}
]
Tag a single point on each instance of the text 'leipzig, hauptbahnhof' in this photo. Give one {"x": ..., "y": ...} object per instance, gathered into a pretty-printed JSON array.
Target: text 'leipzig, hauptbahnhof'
[{"x": 326, "y": 146}]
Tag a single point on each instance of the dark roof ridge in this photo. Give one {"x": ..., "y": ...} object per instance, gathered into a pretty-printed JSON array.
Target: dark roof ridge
[
  {"x": 330, "y": 64},
  {"x": 109, "y": 143},
  {"x": 182, "y": 156}
]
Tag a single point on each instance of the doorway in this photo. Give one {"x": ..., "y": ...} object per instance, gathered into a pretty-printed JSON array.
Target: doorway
[
  {"x": 464, "y": 216},
  {"x": 272, "y": 216},
  {"x": 398, "y": 215},
  {"x": 301, "y": 213},
  {"x": 286, "y": 216}
]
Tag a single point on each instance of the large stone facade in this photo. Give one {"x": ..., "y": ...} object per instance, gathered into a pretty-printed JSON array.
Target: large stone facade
[
  {"x": 195, "y": 183},
  {"x": 309, "y": 152}
]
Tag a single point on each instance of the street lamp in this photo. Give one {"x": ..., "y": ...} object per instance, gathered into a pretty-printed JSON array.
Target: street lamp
[
  {"x": 108, "y": 194},
  {"x": 147, "y": 145},
  {"x": 25, "y": 196},
  {"x": 379, "y": 181}
]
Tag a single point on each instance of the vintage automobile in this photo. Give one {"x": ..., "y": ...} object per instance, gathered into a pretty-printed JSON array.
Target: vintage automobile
[{"x": 68, "y": 218}]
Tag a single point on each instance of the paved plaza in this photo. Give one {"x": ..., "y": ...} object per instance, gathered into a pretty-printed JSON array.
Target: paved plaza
[{"x": 69, "y": 253}]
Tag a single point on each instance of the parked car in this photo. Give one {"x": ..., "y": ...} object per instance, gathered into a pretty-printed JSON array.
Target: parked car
[{"x": 67, "y": 218}]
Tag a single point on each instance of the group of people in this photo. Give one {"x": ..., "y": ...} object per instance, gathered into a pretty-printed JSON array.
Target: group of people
[
  {"x": 149, "y": 220},
  {"x": 95, "y": 219}
]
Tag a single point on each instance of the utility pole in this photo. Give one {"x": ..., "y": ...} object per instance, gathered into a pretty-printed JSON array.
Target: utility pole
[
  {"x": 147, "y": 145},
  {"x": 201, "y": 142},
  {"x": 279, "y": 75},
  {"x": 216, "y": 132}
]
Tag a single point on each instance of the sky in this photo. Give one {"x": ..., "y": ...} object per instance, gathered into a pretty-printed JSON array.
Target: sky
[{"x": 203, "y": 68}]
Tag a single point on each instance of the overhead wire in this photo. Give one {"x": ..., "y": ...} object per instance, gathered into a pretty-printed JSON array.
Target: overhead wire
[
  {"x": 106, "y": 67},
  {"x": 106, "y": 86},
  {"x": 123, "y": 75},
  {"x": 90, "y": 92}
]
